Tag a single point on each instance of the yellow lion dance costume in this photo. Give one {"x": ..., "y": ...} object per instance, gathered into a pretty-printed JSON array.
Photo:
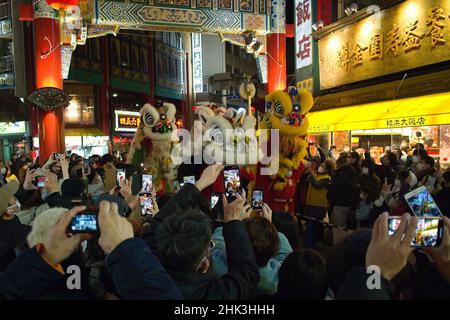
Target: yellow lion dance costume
[{"x": 286, "y": 111}]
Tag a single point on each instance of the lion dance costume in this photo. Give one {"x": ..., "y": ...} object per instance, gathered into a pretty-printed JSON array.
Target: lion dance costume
[
  {"x": 153, "y": 142},
  {"x": 286, "y": 111}
]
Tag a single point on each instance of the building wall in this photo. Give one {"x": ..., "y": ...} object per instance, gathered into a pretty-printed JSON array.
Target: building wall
[{"x": 213, "y": 52}]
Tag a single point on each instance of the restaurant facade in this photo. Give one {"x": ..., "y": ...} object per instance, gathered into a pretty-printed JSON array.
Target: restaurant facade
[{"x": 385, "y": 80}]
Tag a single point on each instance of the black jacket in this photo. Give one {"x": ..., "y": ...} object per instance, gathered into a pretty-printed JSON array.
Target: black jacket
[
  {"x": 243, "y": 274},
  {"x": 355, "y": 287},
  {"x": 342, "y": 190},
  {"x": 12, "y": 234},
  {"x": 136, "y": 272},
  {"x": 442, "y": 199}
]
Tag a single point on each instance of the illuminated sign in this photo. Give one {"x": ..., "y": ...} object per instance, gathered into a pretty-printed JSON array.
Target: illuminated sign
[
  {"x": 303, "y": 40},
  {"x": 197, "y": 64},
  {"x": 410, "y": 35},
  {"x": 12, "y": 128},
  {"x": 127, "y": 121}
]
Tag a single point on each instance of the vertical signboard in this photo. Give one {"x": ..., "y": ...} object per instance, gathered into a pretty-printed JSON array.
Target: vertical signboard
[
  {"x": 197, "y": 64},
  {"x": 303, "y": 40}
]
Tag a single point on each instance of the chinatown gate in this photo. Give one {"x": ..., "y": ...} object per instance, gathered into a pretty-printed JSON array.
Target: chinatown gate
[{"x": 61, "y": 25}]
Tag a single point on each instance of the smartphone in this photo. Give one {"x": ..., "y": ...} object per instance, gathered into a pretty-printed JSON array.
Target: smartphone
[
  {"x": 121, "y": 176},
  {"x": 431, "y": 181},
  {"x": 213, "y": 200},
  {"x": 84, "y": 222},
  {"x": 429, "y": 232},
  {"x": 57, "y": 156},
  {"x": 189, "y": 179},
  {"x": 39, "y": 181},
  {"x": 422, "y": 203},
  {"x": 232, "y": 183},
  {"x": 147, "y": 183},
  {"x": 257, "y": 199},
  {"x": 87, "y": 167},
  {"x": 145, "y": 200}
]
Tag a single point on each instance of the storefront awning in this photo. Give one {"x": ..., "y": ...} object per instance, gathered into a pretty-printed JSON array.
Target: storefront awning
[
  {"x": 85, "y": 132},
  {"x": 411, "y": 112}
]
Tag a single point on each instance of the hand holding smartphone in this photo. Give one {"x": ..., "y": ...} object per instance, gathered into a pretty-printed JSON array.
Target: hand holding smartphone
[{"x": 121, "y": 176}]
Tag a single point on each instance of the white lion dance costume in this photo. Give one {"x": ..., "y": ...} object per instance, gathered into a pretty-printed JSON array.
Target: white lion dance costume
[{"x": 153, "y": 142}]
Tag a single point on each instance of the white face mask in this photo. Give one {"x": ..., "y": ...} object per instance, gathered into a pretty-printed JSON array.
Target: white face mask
[
  {"x": 3, "y": 171},
  {"x": 365, "y": 170},
  {"x": 413, "y": 180},
  {"x": 415, "y": 159},
  {"x": 346, "y": 150},
  {"x": 321, "y": 170},
  {"x": 362, "y": 196}
]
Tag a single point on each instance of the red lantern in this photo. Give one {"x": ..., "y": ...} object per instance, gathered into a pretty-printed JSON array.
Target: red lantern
[
  {"x": 62, "y": 4},
  {"x": 116, "y": 139}
]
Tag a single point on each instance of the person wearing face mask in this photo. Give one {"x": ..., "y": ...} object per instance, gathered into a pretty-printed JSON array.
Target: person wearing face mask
[
  {"x": 426, "y": 173},
  {"x": 3, "y": 172},
  {"x": 354, "y": 160},
  {"x": 442, "y": 198},
  {"x": 386, "y": 170},
  {"x": 418, "y": 153},
  {"x": 368, "y": 176},
  {"x": 366, "y": 204},
  {"x": 407, "y": 181},
  {"x": 316, "y": 200}
]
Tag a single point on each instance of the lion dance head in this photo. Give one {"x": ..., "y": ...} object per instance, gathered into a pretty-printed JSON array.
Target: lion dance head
[{"x": 286, "y": 111}]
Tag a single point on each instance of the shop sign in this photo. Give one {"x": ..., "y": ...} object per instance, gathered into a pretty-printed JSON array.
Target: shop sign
[
  {"x": 7, "y": 128},
  {"x": 197, "y": 64},
  {"x": 406, "y": 122},
  {"x": 412, "y": 34},
  {"x": 127, "y": 121},
  {"x": 303, "y": 43}
]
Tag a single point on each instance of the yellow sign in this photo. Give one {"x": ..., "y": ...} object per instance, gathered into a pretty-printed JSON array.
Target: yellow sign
[
  {"x": 410, "y": 112},
  {"x": 412, "y": 34}
]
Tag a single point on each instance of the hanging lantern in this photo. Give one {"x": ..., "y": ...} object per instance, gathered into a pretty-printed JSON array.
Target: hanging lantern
[
  {"x": 49, "y": 98},
  {"x": 62, "y": 4}
]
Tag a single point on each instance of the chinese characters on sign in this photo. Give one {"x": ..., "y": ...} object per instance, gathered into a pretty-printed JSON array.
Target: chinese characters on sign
[
  {"x": 406, "y": 122},
  {"x": 396, "y": 40},
  {"x": 319, "y": 128},
  {"x": 127, "y": 120},
  {"x": 303, "y": 41},
  {"x": 197, "y": 64}
]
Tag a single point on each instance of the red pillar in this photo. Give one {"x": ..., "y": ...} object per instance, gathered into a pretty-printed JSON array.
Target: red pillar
[
  {"x": 104, "y": 89},
  {"x": 276, "y": 61},
  {"x": 48, "y": 74}
]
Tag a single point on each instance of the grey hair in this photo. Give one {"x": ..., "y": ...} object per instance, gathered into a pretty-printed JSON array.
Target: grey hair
[{"x": 42, "y": 225}]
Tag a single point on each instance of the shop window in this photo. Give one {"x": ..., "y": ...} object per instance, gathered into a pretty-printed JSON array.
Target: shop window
[{"x": 81, "y": 108}]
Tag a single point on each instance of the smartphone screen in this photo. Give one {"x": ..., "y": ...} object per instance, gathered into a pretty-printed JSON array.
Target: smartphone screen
[
  {"x": 40, "y": 181},
  {"x": 214, "y": 200},
  {"x": 147, "y": 183},
  {"x": 257, "y": 199},
  {"x": 232, "y": 183},
  {"x": 422, "y": 203},
  {"x": 84, "y": 223},
  {"x": 189, "y": 179},
  {"x": 145, "y": 200},
  {"x": 120, "y": 176},
  {"x": 429, "y": 231}
]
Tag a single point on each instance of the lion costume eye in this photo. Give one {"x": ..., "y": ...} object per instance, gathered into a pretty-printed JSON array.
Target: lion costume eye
[
  {"x": 216, "y": 135},
  {"x": 148, "y": 119},
  {"x": 278, "y": 108}
]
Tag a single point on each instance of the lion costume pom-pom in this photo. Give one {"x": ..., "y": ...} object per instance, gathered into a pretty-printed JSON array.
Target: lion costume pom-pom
[{"x": 286, "y": 110}]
